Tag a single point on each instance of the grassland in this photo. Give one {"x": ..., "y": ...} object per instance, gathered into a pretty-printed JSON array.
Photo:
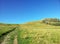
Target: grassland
[
  {"x": 33, "y": 33},
  {"x": 39, "y": 33}
]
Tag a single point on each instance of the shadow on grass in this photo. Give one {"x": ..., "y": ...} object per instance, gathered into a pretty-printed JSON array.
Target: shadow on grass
[{"x": 2, "y": 36}]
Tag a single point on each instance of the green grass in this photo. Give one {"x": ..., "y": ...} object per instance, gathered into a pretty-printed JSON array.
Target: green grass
[
  {"x": 4, "y": 29},
  {"x": 34, "y": 33},
  {"x": 39, "y": 36}
]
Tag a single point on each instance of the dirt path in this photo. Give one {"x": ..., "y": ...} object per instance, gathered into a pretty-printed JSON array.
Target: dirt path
[
  {"x": 10, "y": 38},
  {"x": 6, "y": 39},
  {"x": 15, "y": 40}
]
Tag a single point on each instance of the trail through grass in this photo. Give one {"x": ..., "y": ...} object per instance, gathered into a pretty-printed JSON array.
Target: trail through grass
[
  {"x": 9, "y": 38},
  {"x": 33, "y": 34}
]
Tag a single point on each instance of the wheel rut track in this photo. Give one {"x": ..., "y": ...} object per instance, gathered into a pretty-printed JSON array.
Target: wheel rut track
[{"x": 5, "y": 36}]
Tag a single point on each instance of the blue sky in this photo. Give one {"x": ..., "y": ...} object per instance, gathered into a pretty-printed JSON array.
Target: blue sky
[{"x": 20, "y": 11}]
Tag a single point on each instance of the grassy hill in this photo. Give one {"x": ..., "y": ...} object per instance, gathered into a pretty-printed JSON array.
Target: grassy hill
[
  {"x": 39, "y": 33},
  {"x": 33, "y": 33}
]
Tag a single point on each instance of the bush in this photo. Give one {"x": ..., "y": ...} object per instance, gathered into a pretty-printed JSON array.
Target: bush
[
  {"x": 56, "y": 23},
  {"x": 51, "y": 21}
]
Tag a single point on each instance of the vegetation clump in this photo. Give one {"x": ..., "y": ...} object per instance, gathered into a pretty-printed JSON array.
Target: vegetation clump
[{"x": 51, "y": 21}]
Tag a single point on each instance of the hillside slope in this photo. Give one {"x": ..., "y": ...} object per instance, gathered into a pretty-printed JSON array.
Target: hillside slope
[
  {"x": 39, "y": 33},
  {"x": 36, "y": 32}
]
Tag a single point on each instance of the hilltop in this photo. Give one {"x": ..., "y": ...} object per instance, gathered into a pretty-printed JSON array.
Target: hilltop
[{"x": 45, "y": 23}]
